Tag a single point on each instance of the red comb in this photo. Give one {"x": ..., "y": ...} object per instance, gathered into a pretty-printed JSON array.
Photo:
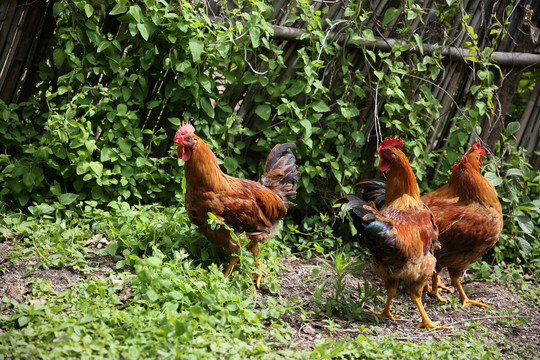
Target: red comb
[
  {"x": 185, "y": 128},
  {"x": 463, "y": 160},
  {"x": 478, "y": 146},
  {"x": 395, "y": 142}
]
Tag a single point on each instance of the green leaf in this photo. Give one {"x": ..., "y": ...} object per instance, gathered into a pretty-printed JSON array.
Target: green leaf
[
  {"x": 368, "y": 34},
  {"x": 512, "y": 128},
  {"x": 125, "y": 146},
  {"x": 263, "y": 111},
  {"x": 126, "y": 93},
  {"x": 23, "y": 320},
  {"x": 524, "y": 244},
  {"x": 175, "y": 121},
  {"x": 97, "y": 168},
  {"x": 418, "y": 40},
  {"x": 320, "y": 106},
  {"x": 67, "y": 198},
  {"x": 254, "y": 35},
  {"x": 207, "y": 107},
  {"x": 111, "y": 248},
  {"x": 136, "y": 12},
  {"x": 154, "y": 261},
  {"x": 389, "y": 15},
  {"x": 103, "y": 45},
  {"x": 152, "y": 295},
  {"x": 118, "y": 9},
  {"x": 122, "y": 109},
  {"x": 231, "y": 164},
  {"x": 349, "y": 112},
  {"x": 89, "y": 10},
  {"x": 493, "y": 178},
  {"x": 525, "y": 224},
  {"x": 296, "y": 88},
  {"x": 146, "y": 29},
  {"x": 59, "y": 55},
  {"x": 514, "y": 172},
  {"x": 196, "y": 48},
  {"x": 307, "y": 126}
]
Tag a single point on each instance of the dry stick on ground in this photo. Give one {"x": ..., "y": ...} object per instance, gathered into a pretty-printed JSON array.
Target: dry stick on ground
[{"x": 465, "y": 320}]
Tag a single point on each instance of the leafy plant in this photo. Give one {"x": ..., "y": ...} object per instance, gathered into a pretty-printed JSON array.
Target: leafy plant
[{"x": 333, "y": 295}]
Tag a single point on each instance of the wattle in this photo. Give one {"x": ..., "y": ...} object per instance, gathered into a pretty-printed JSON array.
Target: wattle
[
  {"x": 183, "y": 153},
  {"x": 384, "y": 164},
  {"x": 186, "y": 154}
]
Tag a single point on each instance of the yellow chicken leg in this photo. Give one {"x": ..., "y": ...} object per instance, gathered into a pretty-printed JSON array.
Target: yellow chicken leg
[
  {"x": 464, "y": 299},
  {"x": 232, "y": 263},
  {"x": 436, "y": 286},
  {"x": 257, "y": 276},
  {"x": 386, "y": 311},
  {"x": 426, "y": 322},
  {"x": 253, "y": 247}
]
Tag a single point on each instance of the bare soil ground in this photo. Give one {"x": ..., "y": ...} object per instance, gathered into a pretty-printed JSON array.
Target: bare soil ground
[
  {"x": 502, "y": 300},
  {"x": 16, "y": 282}
]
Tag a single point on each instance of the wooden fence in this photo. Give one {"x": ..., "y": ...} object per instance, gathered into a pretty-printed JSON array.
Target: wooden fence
[{"x": 26, "y": 26}]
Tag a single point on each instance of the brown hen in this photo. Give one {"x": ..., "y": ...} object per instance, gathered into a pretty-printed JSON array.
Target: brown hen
[{"x": 244, "y": 205}]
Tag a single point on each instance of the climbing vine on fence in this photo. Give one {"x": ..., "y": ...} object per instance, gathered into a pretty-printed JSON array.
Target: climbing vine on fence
[{"x": 121, "y": 75}]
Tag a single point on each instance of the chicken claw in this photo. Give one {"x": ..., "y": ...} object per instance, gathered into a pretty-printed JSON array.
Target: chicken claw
[
  {"x": 257, "y": 276},
  {"x": 426, "y": 322},
  {"x": 437, "y": 285},
  {"x": 437, "y": 294},
  {"x": 385, "y": 314},
  {"x": 473, "y": 302},
  {"x": 392, "y": 289},
  {"x": 233, "y": 262},
  {"x": 464, "y": 299}
]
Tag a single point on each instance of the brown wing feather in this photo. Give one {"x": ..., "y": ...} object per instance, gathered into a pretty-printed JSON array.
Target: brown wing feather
[
  {"x": 249, "y": 206},
  {"x": 467, "y": 233},
  {"x": 414, "y": 229}
]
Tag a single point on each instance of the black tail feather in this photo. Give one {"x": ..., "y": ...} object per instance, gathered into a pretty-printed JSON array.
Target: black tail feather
[
  {"x": 372, "y": 191},
  {"x": 281, "y": 173},
  {"x": 376, "y": 232}
]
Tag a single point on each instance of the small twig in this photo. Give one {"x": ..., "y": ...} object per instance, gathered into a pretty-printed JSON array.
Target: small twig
[
  {"x": 376, "y": 117},
  {"x": 233, "y": 40},
  {"x": 480, "y": 318},
  {"x": 252, "y": 69},
  {"x": 423, "y": 336},
  {"x": 327, "y": 34}
]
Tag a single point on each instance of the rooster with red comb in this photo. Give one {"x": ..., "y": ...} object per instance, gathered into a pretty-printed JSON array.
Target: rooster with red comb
[
  {"x": 401, "y": 236},
  {"x": 254, "y": 208},
  {"x": 468, "y": 215}
]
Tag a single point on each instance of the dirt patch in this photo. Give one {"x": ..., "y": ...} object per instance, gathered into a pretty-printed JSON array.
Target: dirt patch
[
  {"x": 16, "y": 279},
  {"x": 501, "y": 321},
  {"x": 16, "y": 282}
]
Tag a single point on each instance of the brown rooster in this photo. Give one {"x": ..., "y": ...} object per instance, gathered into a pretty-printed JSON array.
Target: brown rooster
[
  {"x": 400, "y": 236},
  {"x": 469, "y": 218},
  {"x": 467, "y": 213},
  {"x": 244, "y": 205}
]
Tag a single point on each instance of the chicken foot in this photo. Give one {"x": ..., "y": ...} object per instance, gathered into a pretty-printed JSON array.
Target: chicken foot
[
  {"x": 436, "y": 286},
  {"x": 464, "y": 299},
  {"x": 426, "y": 322},
  {"x": 232, "y": 263},
  {"x": 254, "y": 249},
  {"x": 391, "y": 289},
  {"x": 258, "y": 276}
]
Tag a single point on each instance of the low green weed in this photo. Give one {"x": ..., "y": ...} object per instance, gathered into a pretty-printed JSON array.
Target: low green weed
[{"x": 333, "y": 295}]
